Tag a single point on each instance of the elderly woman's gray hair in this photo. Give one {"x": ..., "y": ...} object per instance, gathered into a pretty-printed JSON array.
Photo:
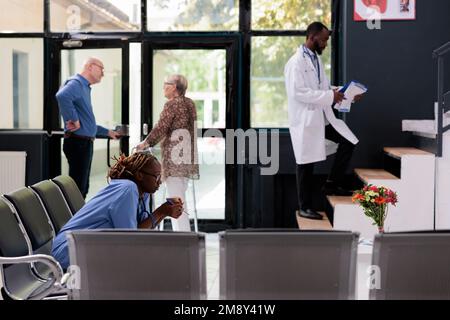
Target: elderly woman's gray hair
[{"x": 180, "y": 83}]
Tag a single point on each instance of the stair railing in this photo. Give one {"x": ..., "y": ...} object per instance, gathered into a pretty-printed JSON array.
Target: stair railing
[{"x": 443, "y": 97}]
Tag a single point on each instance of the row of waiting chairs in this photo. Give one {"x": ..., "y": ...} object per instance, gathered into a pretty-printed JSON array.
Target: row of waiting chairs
[
  {"x": 29, "y": 220},
  {"x": 258, "y": 264},
  {"x": 254, "y": 264}
]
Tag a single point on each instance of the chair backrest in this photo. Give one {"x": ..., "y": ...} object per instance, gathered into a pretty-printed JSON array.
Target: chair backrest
[
  {"x": 54, "y": 203},
  {"x": 71, "y": 192},
  {"x": 411, "y": 266},
  {"x": 138, "y": 264},
  {"x": 18, "y": 279},
  {"x": 36, "y": 223},
  {"x": 291, "y": 264}
]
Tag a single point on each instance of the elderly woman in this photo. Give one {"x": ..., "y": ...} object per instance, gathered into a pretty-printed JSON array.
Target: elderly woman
[{"x": 176, "y": 129}]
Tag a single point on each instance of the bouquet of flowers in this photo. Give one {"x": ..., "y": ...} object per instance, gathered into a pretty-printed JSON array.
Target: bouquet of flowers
[{"x": 374, "y": 201}]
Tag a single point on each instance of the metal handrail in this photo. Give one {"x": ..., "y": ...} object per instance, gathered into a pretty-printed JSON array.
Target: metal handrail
[
  {"x": 442, "y": 50},
  {"x": 439, "y": 54}
]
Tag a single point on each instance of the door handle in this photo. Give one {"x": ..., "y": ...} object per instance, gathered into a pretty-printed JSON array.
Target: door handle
[
  {"x": 108, "y": 152},
  {"x": 145, "y": 129}
]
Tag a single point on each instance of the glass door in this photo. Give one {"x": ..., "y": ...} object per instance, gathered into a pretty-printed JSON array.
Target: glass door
[
  {"x": 109, "y": 100},
  {"x": 209, "y": 69}
]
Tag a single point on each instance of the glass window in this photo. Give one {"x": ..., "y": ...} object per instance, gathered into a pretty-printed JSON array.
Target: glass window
[
  {"x": 20, "y": 89},
  {"x": 205, "y": 72},
  {"x": 289, "y": 14},
  {"x": 22, "y": 16},
  {"x": 22, "y": 83},
  {"x": 268, "y": 101},
  {"x": 90, "y": 15},
  {"x": 192, "y": 15}
]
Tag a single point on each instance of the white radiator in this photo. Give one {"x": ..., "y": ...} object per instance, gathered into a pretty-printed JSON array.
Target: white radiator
[{"x": 12, "y": 170}]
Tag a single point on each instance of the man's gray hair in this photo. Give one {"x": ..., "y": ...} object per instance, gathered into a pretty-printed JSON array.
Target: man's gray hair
[{"x": 180, "y": 82}]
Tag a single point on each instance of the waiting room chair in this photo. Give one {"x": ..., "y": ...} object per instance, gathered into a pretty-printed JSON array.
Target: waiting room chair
[
  {"x": 56, "y": 206},
  {"x": 411, "y": 266},
  {"x": 71, "y": 192},
  {"x": 36, "y": 222},
  {"x": 19, "y": 281},
  {"x": 138, "y": 264},
  {"x": 287, "y": 264}
]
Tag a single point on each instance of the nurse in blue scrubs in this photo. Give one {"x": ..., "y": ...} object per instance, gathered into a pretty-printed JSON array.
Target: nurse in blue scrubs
[{"x": 122, "y": 204}]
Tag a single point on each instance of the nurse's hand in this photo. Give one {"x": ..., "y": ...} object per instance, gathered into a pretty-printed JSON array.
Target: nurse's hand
[
  {"x": 338, "y": 96},
  {"x": 173, "y": 210}
]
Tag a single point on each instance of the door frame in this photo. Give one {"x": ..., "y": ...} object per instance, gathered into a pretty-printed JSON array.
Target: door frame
[
  {"x": 52, "y": 63},
  {"x": 232, "y": 43}
]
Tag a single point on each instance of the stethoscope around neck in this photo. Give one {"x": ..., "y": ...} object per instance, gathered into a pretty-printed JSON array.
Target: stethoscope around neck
[{"x": 305, "y": 51}]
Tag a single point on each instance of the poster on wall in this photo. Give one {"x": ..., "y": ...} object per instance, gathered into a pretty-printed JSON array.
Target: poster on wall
[{"x": 384, "y": 10}]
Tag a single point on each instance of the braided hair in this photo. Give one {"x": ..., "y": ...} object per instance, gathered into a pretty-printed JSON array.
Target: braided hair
[{"x": 127, "y": 167}]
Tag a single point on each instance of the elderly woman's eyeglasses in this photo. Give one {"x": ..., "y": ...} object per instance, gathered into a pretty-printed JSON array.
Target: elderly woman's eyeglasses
[{"x": 169, "y": 83}]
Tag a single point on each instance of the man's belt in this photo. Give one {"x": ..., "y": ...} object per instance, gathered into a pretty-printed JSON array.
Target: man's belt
[{"x": 68, "y": 134}]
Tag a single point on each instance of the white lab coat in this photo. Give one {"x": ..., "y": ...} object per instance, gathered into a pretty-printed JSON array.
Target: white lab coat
[{"x": 309, "y": 109}]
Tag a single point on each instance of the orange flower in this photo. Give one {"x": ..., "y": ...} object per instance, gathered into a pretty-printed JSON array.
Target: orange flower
[
  {"x": 380, "y": 200},
  {"x": 357, "y": 197}
]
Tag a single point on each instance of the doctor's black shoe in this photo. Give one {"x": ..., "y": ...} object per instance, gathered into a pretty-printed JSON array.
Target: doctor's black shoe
[{"x": 309, "y": 214}]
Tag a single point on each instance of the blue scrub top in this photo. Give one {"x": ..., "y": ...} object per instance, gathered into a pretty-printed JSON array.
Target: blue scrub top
[{"x": 115, "y": 206}]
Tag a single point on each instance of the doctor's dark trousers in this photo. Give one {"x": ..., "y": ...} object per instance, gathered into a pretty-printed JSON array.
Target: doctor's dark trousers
[{"x": 342, "y": 158}]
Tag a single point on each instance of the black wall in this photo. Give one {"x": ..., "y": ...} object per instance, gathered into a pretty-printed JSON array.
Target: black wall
[
  {"x": 36, "y": 144},
  {"x": 396, "y": 64}
]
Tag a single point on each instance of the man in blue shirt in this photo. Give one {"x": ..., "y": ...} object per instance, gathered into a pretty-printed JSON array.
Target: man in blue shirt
[
  {"x": 80, "y": 128},
  {"x": 123, "y": 204}
]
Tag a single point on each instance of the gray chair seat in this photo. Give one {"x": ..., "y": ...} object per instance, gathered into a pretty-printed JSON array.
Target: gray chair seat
[
  {"x": 414, "y": 265},
  {"x": 19, "y": 280},
  {"x": 71, "y": 192},
  {"x": 36, "y": 223},
  {"x": 287, "y": 264},
  {"x": 138, "y": 264},
  {"x": 54, "y": 203}
]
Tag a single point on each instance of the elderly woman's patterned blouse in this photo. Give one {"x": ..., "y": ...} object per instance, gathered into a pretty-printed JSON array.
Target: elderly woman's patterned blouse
[{"x": 176, "y": 128}]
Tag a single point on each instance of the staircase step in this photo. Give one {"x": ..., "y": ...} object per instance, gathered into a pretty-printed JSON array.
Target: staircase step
[
  {"x": 310, "y": 224},
  {"x": 374, "y": 174},
  {"x": 335, "y": 200},
  {"x": 398, "y": 153}
]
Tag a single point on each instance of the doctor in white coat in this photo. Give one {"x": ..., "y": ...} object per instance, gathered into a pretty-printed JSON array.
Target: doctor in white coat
[{"x": 312, "y": 120}]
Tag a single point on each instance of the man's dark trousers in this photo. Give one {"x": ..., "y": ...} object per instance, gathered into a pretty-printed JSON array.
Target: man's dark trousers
[
  {"x": 79, "y": 154},
  {"x": 342, "y": 158}
]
